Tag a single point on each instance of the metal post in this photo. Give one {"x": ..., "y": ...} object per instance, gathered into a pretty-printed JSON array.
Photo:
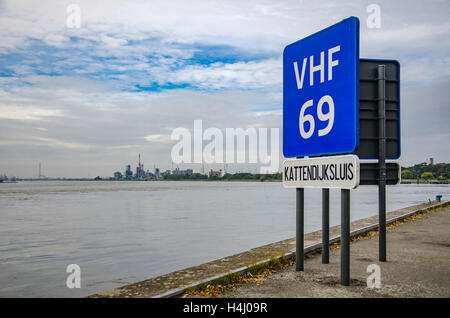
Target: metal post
[
  {"x": 381, "y": 161},
  {"x": 300, "y": 207},
  {"x": 325, "y": 226},
  {"x": 345, "y": 237}
]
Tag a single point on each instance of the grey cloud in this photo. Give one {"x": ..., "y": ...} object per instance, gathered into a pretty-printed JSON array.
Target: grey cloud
[
  {"x": 101, "y": 127},
  {"x": 117, "y": 132}
]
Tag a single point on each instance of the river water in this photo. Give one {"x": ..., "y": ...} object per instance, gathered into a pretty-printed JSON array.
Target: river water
[{"x": 124, "y": 232}]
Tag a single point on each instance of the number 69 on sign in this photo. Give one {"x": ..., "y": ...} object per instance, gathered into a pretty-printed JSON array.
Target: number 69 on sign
[{"x": 322, "y": 117}]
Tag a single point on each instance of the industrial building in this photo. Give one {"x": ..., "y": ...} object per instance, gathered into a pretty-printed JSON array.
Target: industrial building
[{"x": 142, "y": 174}]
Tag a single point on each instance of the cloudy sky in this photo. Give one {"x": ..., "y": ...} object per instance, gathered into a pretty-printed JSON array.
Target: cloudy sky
[{"x": 85, "y": 101}]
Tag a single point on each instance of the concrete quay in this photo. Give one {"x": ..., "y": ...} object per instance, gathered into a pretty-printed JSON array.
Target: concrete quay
[{"x": 176, "y": 283}]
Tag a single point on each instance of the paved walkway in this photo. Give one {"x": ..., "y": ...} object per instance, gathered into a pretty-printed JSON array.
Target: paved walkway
[{"x": 418, "y": 266}]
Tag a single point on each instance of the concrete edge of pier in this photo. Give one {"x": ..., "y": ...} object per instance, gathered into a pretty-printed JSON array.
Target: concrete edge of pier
[{"x": 176, "y": 283}]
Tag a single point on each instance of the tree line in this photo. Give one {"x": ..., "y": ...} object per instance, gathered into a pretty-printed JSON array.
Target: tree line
[
  {"x": 226, "y": 177},
  {"x": 438, "y": 171}
]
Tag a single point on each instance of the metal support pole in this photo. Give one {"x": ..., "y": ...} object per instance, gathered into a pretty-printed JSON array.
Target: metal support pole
[
  {"x": 381, "y": 161},
  {"x": 325, "y": 226},
  {"x": 345, "y": 237},
  {"x": 300, "y": 208}
]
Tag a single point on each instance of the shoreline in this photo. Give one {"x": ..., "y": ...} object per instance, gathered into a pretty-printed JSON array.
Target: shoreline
[{"x": 206, "y": 180}]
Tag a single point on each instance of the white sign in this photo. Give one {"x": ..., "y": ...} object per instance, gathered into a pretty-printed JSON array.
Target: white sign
[{"x": 322, "y": 172}]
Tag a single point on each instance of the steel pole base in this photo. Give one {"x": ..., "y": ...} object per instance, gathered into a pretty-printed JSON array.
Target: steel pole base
[
  {"x": 345, "y": 237},
  {"x": 300, "y": 212}
]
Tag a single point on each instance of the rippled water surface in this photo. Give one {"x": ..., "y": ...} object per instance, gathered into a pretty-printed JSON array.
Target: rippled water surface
[{"x": 124, "y": 232}]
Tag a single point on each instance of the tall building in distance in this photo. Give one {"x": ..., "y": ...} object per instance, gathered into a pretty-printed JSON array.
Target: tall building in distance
[
  {"x": 128, "y": 172},
  {"x": 140, "y": 173}
]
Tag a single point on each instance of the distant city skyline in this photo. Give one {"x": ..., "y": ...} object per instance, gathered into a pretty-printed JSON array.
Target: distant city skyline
[{"x": 196, "y": 168}]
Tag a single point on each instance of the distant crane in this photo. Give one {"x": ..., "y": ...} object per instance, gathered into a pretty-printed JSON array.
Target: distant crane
[{"x": 40, "y": 175}]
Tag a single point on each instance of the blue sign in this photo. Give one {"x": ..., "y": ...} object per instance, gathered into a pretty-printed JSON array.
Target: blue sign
[{"x": 321, "y": 92}]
